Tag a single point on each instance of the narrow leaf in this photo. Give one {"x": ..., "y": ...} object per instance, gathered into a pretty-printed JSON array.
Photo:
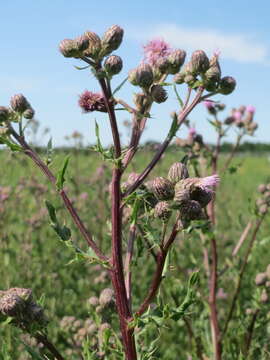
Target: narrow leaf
[
  {"x": 61, "y": 175},
  {"x": 119, "y": 86}
]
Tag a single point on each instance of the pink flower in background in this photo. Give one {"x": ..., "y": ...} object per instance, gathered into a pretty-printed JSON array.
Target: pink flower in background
[
  {"x": 217, "y": 53},
  {"x": 90, "y": 101},
  {"x": 221, "y": 294},
  {"x": 208, "y": 104},
  {"x": 209, "y": 181},
  {"x": 192, "y": 132},
  {"x": 83, "y": 195},
  {"x": 251, "y": 109},
  {"x": 156, "y": 49},
  {"x": 237, "y": 115}
]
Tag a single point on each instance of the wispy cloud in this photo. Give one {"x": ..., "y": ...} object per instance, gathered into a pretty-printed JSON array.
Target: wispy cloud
[{"x": 238, "y": 47}]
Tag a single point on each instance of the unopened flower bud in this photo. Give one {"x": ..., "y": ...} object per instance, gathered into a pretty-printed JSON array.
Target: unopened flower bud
[
  {"x": 203, "y": 196},
  {"x": 229, "y": 120},
  {"x": 113, "y": 65},
  {"x": 263, "y": 209},
  {"x": 111, "y": 40},
  {"x": 260, "y": 279},
  {"x": 11, "y": 304},
  {"x": 19, "y": 103},
  {"x": 212, "y": 75},
  {"x": 266, "y": 195},
  {"x": 177, "y": 172},
  {"x": 181, "y": 195},
  {"x": 210, "y": 106},
  {"x": 190, "y": 79},
  {"x": 132, "y": 77},
  {"x": 260, "y": 202},
  {"x": 93, "y": 301},
  {"x": 69, "y": 48},
  {"x": 191, "y": 210},
  {"x": 106, "y": 297},
  {"x": 82, "y": 43},
  {"x": 144, "y": 75},
  {"x": 179, "y": 78},
  {"x": 158, "y": 93},
  {"x": 163, "y": 211},
  {"x": 4, "y": 112},
  {"x": 199, "y": 62},
  {"x": 264, "y": 297},
  {"x": 94, "y": 45},
  {"x": 163, "y": 188},
  {"x": 250, "y": 311},
  {"x": 29, "y": 113},
  {"x": 162, "y": 65},
  {"x": 176, "y": 59},
  {"x": 227, "y": 85}
]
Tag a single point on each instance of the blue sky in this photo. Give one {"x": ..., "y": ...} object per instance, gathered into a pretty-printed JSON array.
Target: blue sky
[{"x": 30, "y": 31}]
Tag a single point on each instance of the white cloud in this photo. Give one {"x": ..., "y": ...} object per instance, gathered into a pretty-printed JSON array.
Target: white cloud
[{"x": 238, "y": 47}]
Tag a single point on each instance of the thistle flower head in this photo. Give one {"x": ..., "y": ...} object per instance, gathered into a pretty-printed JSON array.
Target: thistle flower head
[
  {"x": 237, "y": 115},
  {"x": 208, "y": 104},
  {"x": 155, "y": 50},
  {"x": 113, "y": 65},
  {"x": 111, "y": 40},
  {"x": 192, "y": 132},
  {"x": 90, "y": 101},
  {"x": 209, "y": 181},
  {"x": 251, "y": 109},
  {"x": 19, "y": 103},
  {"x": 162, "y": 210},
  {"x": 4, "y": 112}
]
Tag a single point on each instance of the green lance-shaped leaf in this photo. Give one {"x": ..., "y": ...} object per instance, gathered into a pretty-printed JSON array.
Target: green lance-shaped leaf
[
  {"x": 62, "y": 231},
  {"x": 178, "y": 96},
  {"x": 189, "y": 298},
  {"x": 174, "y": 127},
  {"x": 61, "y": 175},
  {"x": 120, "y": 86},
  {"x": 81, "y": 67},
  {"x": 49, "y": 152},
  {"x": 10, "y": 144},
  {"x": 51, "y": 211}
]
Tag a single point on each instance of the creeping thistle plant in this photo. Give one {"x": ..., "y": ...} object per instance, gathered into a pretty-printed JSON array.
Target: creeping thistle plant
[{"x": 156, "y": 210}]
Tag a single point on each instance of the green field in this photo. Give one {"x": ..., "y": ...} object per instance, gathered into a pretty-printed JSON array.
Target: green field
[{"x": 33, "y": 257}]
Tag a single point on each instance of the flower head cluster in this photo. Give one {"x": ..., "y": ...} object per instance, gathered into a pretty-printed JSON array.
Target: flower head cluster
[
  {"x": 90, "y": 102},
  {"x": 155, "y": 50},
  {"x": 18, "y": 303},
  {"x": 263, "y": 280},
  {"x": 243, "y": 118},
  {"x": 263, "y": 203}
]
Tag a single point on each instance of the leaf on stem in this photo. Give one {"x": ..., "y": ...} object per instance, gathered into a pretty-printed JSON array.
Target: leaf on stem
[
  {"x": 60, "y": 179},
  {"x": 62, "y": 231},
  {"x": 119, "y": 86},
  {"x": 10, "y": 144}
]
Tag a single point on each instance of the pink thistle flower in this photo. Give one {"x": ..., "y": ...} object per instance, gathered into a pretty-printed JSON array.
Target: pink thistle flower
[
  {"x": 217, "y": 53},
  {"x": 90, "y": 101},
  {"x": 221, "y": 294},
  {"x": 192, "y": 132},
  {"x": 237, "y": 115},
  {"x": 83, "y": 195},
  {"x": 208, "y": 104},
  {"x": 209, "y": 181},
  {"x": 251, "y": 109},
  {"x": 156, "y": 49}
]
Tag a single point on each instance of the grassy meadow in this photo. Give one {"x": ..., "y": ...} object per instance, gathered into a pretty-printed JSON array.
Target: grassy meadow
[{"x": 33, "y": 257}]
